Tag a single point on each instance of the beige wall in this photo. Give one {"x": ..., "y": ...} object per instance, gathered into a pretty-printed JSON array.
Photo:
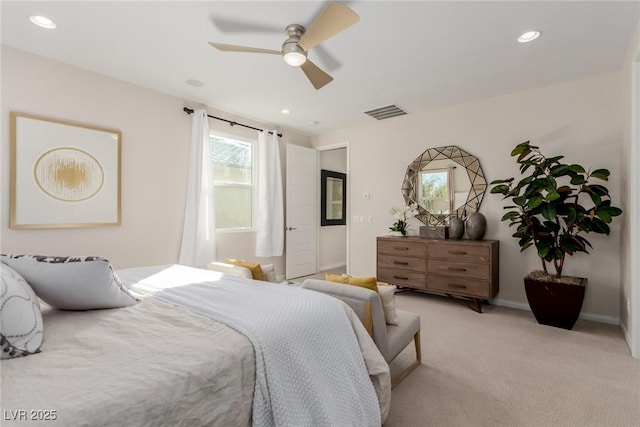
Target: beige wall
[
  {"x": 332, "y": 240},
  {"x": 628, "y": 169},
  {"x": 581, "y": 120},
  {"x": 155, "y": 144}
]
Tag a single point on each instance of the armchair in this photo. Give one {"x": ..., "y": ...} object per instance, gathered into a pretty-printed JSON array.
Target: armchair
[{"x": 390, "y": 339}]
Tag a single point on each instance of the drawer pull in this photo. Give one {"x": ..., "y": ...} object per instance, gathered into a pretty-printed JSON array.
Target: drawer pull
[
  {"x": 456, "y": 286},
  {"x": 400, "y": 278},
  {"x": 457, "y": 252},
  {"x": 456, "y": 269},
  {"x": 400, "y": 262},
  {"x": 400, "y": 249}
]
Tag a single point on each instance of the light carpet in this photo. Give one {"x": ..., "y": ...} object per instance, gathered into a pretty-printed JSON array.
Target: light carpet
[{"x": 501, "y": 368}]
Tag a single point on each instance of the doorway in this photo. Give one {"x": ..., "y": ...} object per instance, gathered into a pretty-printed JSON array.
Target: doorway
[{"x": 333, "y": 240}]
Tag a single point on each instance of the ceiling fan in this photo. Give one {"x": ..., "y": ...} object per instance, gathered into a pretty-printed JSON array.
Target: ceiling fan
[{"x": 333, "y": 19}]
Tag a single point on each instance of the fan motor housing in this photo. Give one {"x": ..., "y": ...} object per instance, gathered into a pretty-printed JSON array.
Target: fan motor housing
[{"x": 290, "y": 45}]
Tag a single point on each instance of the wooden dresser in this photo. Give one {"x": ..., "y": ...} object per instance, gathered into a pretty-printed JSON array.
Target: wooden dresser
[{"x": 467, "y": 269}]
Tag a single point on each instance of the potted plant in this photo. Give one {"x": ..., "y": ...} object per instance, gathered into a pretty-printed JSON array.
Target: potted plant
[
  {"x": 402, "y": 215},
  {"x": 554, "y": 206}
]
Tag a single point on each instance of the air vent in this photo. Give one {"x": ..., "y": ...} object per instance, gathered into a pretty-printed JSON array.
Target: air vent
[{"x": 386, "y": 112}]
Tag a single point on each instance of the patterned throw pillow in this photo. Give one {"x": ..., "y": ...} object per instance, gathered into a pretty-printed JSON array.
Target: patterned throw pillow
[
  {"x": 21, "y": 329},
  {"x": 72, "y": 283}
]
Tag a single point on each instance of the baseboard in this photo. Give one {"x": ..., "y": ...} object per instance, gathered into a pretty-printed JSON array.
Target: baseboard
[
  {"x": 586, "y": 316},
  {"x": 332, "y": 266},
  {"x": 627, "y": 335}
]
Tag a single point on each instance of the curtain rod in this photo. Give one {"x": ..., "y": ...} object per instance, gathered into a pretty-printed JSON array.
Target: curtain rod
[{"x": 231, "y": 123}]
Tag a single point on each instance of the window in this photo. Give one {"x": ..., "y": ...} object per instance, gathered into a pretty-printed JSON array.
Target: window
[{"x": 234, "y": 181}]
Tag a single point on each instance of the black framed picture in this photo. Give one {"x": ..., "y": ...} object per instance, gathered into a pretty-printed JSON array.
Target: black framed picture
[{"x": 333, "y": 198}]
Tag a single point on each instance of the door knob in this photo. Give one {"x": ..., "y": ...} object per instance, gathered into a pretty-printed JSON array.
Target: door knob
[{"x": 291, "y": 228}]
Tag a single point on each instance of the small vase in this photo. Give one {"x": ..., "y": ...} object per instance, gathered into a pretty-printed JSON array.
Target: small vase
[
  {"x": 456, "y": 228},
  {"x": 396, "y": 233},
  {"x": 476, "y": 225}
]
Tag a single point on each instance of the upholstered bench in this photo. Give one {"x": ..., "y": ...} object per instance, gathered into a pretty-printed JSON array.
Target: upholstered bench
[{"x": 390, "y": 339}]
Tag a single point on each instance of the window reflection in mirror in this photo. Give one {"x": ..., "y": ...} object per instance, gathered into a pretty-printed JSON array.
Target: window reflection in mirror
[{"x": 436, "y": 190}]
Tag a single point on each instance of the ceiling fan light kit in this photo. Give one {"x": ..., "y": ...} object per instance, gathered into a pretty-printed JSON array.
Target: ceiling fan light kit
[
  {"x": 293, "y": 54},
  {"x": 334, "y": 18}
]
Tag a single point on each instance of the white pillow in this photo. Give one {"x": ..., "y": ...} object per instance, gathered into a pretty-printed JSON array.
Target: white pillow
[
  {"x": 387, "y": 296},
  {"x": 72, "y": 283},
  {"x": 269, "y": 272},
  {"x": 21, "y": 328}
]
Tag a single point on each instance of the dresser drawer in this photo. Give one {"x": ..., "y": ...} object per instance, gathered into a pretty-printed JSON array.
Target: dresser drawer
[
  {"x": 459, "y": 286},
  {"x": 403, "y": 263},
  {"x": 460, "y": 252},
  {"x": 458, "y": 268},
  {"x": 402, "y": 248},
  {"x": 398, "y": 277}
]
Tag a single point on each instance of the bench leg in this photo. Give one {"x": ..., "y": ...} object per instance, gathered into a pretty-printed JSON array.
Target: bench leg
[{"x": 413, "y": 366}]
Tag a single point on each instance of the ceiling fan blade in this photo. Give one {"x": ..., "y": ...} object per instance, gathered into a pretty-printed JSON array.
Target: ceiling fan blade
[
  {"x": 335, "y": 18},
  {"x": 236, "y": 48},
  {"x": 316, "y": 76}
]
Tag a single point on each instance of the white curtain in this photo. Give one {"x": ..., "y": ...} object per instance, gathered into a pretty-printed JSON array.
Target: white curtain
[
  {"x": 198, "y": 236},
  {"x": 270, "y": 237}
]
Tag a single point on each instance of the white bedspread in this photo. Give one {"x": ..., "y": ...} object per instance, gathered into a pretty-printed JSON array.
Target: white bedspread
[
  {"x": 148, "y": 365},
  {"x": 310, "y": 368}
]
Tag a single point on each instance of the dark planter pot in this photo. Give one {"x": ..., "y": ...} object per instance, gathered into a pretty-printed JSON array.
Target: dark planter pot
[{"x": 554, "y": 303}]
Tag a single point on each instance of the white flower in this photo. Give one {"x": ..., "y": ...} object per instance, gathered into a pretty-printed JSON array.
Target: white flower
[{"x": 405, "y": 212}]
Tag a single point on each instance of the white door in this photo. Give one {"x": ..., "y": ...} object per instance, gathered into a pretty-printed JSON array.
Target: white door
[{"x": 302, "y": 203}]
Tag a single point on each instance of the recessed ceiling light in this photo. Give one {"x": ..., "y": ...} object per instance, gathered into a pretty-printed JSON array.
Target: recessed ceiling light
[
  {"x": 313, "y": 122},
  {"x": 42, "y": 21},
  {"x": 529, "y": 36},
  {"x": 194, "y": 83},
  {"x": 285, "y": 111}
]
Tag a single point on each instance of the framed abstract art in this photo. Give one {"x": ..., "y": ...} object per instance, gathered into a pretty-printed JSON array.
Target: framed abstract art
[{"x": 63, "y": 174}]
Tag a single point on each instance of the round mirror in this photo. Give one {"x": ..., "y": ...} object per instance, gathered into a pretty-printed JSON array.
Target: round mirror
[{"x": 444, "y": 182}]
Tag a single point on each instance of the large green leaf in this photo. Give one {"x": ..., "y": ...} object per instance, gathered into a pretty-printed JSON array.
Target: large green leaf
[
  {"x": 604, "y": 215},
  {"x": 554, "y": 159},
  {"x": 600, "y": 190},
  {"x": 578, "y": 180},
  {"x": 599, "y": 226},
  {"x": 595, "y": 198},
  {"x": 554, "y": 195},
  {"x": 524, "y": 154},
  {"x": 511, "y": 216},
  {"x": 572, "y": 216},
  {"x": 501, "y": 181},
  {"x": 548, "y": 211},
  {"x": 602, "y": 174},
  {"x": 520, "y": 148},
  {"x": 576, "y": 168},
  {"x": 560, "y": 170},
  {"x": 501, "y": 189},
  {"x": 535, "y": 201},
  {"x": 520, "y": 200},
  {"x": 543, "y": 248}
]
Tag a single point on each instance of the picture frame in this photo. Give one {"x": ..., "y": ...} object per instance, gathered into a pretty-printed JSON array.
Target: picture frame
[
  {"x": 63, "y": 174},
  {"x": 333, "y": 193}
]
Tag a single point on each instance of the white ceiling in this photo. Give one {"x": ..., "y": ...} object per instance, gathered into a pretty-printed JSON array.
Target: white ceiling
[{"x": 419, "y": 55}]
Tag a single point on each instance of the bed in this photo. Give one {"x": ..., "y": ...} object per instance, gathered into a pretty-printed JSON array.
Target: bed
[{"x": 181, "y": 357}]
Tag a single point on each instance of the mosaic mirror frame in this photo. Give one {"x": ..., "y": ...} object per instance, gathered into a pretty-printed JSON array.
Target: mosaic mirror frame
[{"x": 411, "y": 185}]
